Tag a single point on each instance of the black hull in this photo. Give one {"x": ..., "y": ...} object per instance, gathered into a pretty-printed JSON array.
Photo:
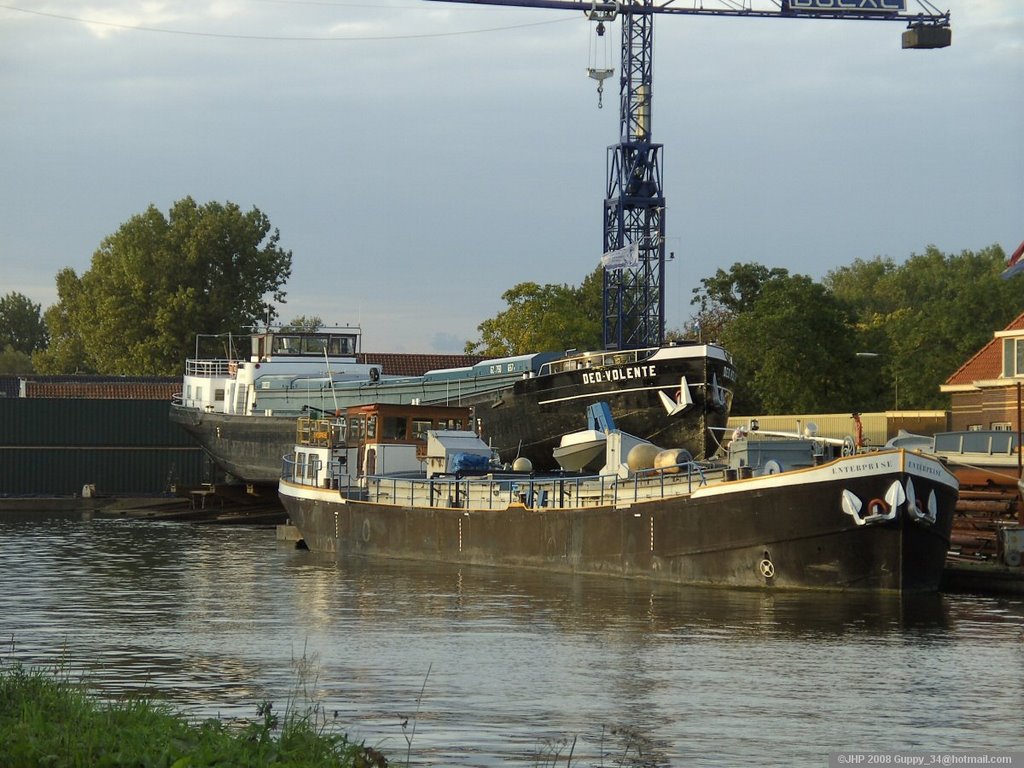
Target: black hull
[
  {"x": 527, "y": 419},
  {"x": 530, "y": 419},
  {"x": 791, "y": 536}
]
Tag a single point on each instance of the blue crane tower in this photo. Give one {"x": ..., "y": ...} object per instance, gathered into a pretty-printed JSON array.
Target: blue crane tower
[{"x": 634, "y": 203}]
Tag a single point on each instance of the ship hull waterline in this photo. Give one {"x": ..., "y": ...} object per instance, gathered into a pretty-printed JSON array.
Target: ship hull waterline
[{"x": 787, "y": 536}]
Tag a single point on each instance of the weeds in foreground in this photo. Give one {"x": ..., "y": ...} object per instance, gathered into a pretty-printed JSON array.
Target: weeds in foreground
[
  {"x": 410, "y": 733},
  {"x": 48, "y": 720},
  {"x": 630, "y": 749}
]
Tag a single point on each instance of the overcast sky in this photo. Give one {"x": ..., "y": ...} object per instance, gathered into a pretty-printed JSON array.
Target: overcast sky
[{"x": 420, "y": 158}]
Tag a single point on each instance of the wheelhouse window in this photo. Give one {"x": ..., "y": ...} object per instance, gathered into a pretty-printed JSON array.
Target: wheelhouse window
[
  {"x": 395, "y": 427},
  {"x": 341, "y": 345}
]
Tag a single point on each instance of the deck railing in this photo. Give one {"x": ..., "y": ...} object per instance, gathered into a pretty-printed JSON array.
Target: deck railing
[
  {"x": 596, "y": 360},
  {"x": 498, "y": 491},
  {"x": 210, "y": 368}
]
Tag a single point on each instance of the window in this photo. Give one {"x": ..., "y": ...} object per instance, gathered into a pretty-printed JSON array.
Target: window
[
  {"x": 395, "y": 427},
  {"x": 419, "y": 429},
  {"x": 341, "y": 345},
  {"x": 218, "y": 395},
  {"x": 355, "y": 428},
  {"x": 314, "y": 345},
  {"x": 1013, "y": 358},
  {"x": 287, "y": 345}
]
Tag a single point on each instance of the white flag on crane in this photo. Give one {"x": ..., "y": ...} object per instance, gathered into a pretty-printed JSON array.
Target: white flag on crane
[{"x": 629, "y": 256}]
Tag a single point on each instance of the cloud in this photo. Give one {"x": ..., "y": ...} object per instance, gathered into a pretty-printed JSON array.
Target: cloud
[{"x": 453, "y": 151}]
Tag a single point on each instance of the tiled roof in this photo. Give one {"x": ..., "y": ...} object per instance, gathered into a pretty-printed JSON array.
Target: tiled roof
[
  {"x": 399, "y": 364},
  {"x": 102, "y": 387},
  {"x": 987, "y": 362},
  {"x": 98, "y": 391}
]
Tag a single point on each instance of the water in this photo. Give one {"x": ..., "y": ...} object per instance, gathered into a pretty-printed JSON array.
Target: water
[{"x": 513, "y": 666}]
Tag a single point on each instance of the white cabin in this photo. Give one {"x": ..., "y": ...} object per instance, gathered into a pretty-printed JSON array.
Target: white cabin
[{"x": 278, "y": 360}]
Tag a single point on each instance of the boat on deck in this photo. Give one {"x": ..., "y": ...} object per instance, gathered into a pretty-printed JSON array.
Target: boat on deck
[
  {"x": 241, "y": 408},
  {"x": 779, "y": 513}
]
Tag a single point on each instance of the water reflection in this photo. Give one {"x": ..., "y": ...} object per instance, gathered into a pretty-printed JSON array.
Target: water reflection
[
  {"x": 382, "y": 592},
  {"x": 512, "y": 664}
]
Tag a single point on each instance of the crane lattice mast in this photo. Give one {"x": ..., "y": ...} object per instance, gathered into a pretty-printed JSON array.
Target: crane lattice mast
[{"x": 634, "y": 204}]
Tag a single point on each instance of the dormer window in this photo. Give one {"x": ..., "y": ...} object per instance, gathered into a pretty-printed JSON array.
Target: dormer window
[{"x": 1013, "y": 358}]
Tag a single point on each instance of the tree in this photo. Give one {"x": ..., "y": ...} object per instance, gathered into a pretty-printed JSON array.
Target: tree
[
  {"x": 303, "y": 324},
  {"x": 925, "y": 317},
  {"x": 13, "y": 361},
  {"x": 736, "y": 289},
  {"x": 793, "y": 349},
  {"x": 21, "y": 325},
  {"x": 544, "y": 318},
  {"x": 724, "y": 295},
  {"x": 158, "y": 281}
]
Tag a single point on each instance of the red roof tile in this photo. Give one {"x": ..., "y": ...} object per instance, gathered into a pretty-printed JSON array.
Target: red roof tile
[
  {"x": 95, "y": 390},
  {"x": 987, "y": 362}
]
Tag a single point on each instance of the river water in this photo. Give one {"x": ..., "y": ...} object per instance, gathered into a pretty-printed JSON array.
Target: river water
[{"x": 506, "y": 667}]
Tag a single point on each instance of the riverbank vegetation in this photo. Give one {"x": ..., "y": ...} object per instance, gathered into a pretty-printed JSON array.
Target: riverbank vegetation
[{"x": 46, "y": 719}]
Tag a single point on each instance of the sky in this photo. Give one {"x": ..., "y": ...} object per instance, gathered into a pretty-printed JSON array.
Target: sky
[{"x": 420, "y": 158}]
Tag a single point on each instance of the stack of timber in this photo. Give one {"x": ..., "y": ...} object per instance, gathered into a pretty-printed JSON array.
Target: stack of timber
[
  {"x": 987, "y": 537},
  {"x": 981, "y": 512}
]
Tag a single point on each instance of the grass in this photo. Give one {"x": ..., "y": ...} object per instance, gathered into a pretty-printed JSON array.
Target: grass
[{"x": 48, "y": 721}]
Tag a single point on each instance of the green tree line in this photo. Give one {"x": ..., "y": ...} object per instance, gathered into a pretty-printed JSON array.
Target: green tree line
[{"x": 873, "y": 335}]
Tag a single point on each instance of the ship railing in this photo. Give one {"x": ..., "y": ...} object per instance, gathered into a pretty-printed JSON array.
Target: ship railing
[
  {"x": 310, "y": 471},
  {"x": 492, "y": 492},
  {"x": 596, "y": 360},
  {"x": 211, "y": 368}
]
